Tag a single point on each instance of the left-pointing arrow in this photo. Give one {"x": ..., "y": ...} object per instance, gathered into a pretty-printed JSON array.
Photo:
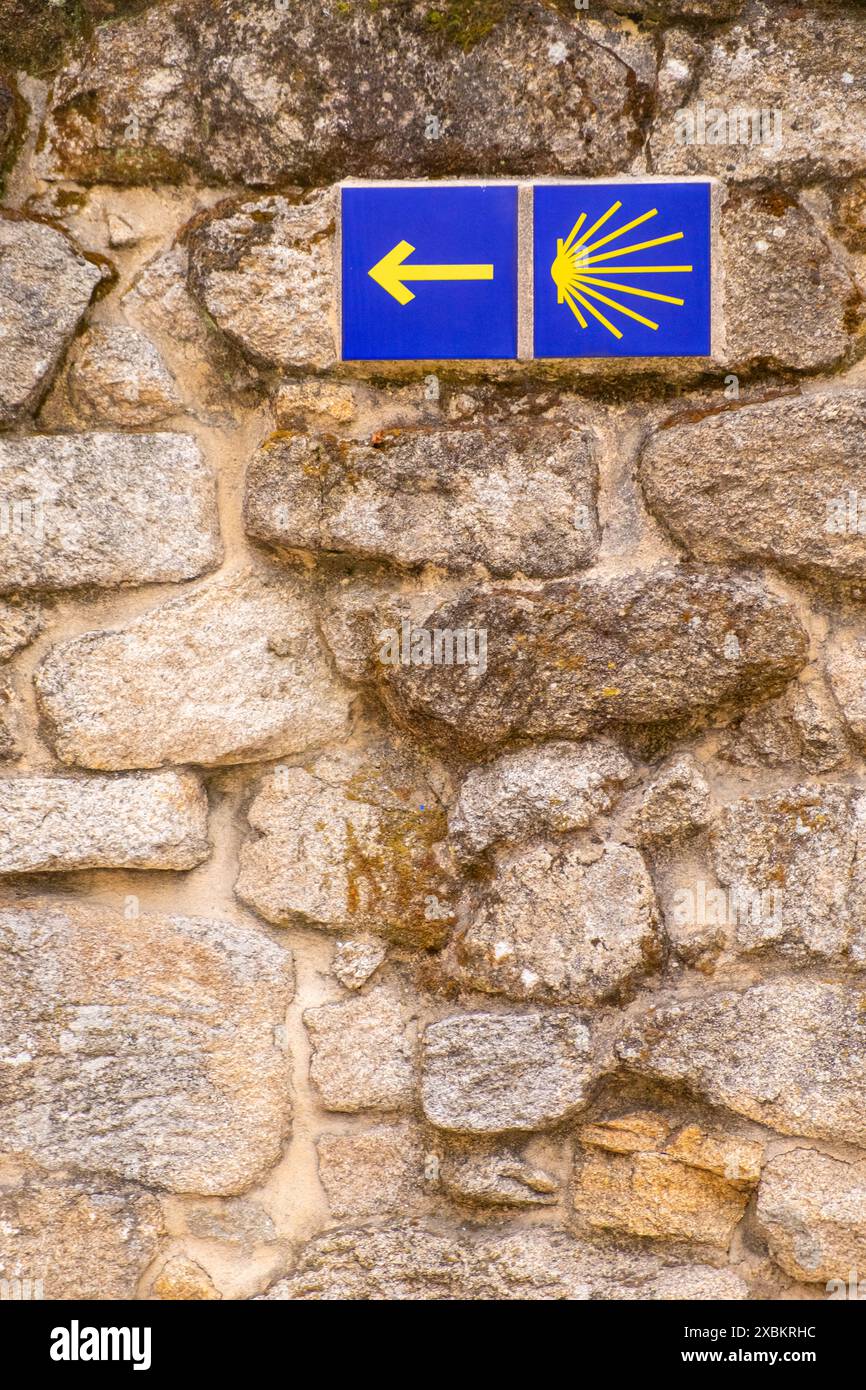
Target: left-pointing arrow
[{"x": 390, "y": 272}]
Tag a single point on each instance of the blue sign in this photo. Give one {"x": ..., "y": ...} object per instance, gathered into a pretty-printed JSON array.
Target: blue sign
[
  {"x": 429, "y": 272},
  {"x": 622, "y": 270}
]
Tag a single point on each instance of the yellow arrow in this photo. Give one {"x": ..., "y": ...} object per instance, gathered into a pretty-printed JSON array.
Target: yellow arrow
[{"x": 390, "y": 272}]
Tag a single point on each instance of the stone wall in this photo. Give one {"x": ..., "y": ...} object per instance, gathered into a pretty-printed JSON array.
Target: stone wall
[{"x": 328, "y": 974}]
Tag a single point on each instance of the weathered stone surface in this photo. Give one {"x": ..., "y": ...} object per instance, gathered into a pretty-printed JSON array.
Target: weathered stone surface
[
  {"x": 355, "y": 962},
  {"x": 812, "y": 1211},
  {"x": 733, "y": 486},
  {"x": 676, "y": 803},
  {"x": 801, "y": 727},
  {"x": 573, "y": 656},
  {"x": 487, "y": 1073},
  {"x": 846, "y": 668},
  {"x": 374, "y": 1171},
  {"x": 350, "y": 844},
  {"x": 362, "y": 1053},
  {"x": 790, "y": 299},
  {"x": 556, "y": 787},
  {"x": 154, "y": 821},
  {"x": 265, "y": 273},
  {"x": 409, "y": 1261},
  {"x": 794, "y": 863},
  {"x": 103, "y": 1234},
  {"x": 9, "y": 120},
  {"x": 119, "y": 378},
  {"x": 651, "y": 1189},
  {"x": 45, "y": 287},
  {"x": 106, "y": 509},
  {"x": 237, "y": 1221},
  {"x": 513, "y": 499},
  {"x": 678, "y": 9},
  {"x": 181, "y": 1278},
  {"x": 805, "y": 67},
  {"x": 146, "y": 1047},
  {"x": 560, "y": 925},
  {"x": 258, "y": 97},
  {"x": 498, "y": 1178},
  {"x": 20, "y": 622},
  {"x": 236, "y": 672},
  {"x": 787, "y": 1053}
]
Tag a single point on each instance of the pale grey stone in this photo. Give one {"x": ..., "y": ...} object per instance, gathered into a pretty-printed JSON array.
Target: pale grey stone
[
  {"x": 812, "y": 1212},
  {"x": 232, "y": 673},
  {"x": 20, "y": 622},
  {"x": 676, "y": 803},
  {"x": 362, "y": 1053},
  {"x": 153, "y": 821},
  {"x": 117, "y": 377},
  {"x": 45, "y": 287},
  {"x": 515, "y": 499},
  {"x": 355, "y": 962},
  {"x": 494, "y": 1178},
  {"x": 143, "y": 1046},
  {"x": 846, "y": 669},
  {"x": 106, "y": 509},
  {"x": 489, "y": 1073}
]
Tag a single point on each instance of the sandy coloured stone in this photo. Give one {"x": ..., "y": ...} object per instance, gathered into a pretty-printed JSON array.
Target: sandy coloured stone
[
  {"x": 734, "y": 486},
  {"x": 362, "y": 1053},
  {"x": 804, "y": 68},
  {"x": 20, "y": 622},
  {"x": 846, "y": 669},
  {"x": 181, "y": 1278},
  {"x": 372, "y": 1171},
  {"x": 812, "y": 1212},
  {"x": 229, "y": 674},
  {"x": 794, "y": 865},
  {"x": 497, "y": 1177},
  {"x": 150, "y": 821},
  {"x": 651, "y": 1188},
  {"x": 411, "y": 1261},
  {"x": 676, "y": 803},
  {"x": 560, "y": 925},
  {"x": 787, "y": 1053},
  {"x": 515, "y": 499},
  {"x": 106, "y": 509},
  {"x": 148, "y": 1047},
  {"x": 117, "y": 377},
  {"x": 572, "y": 656},
  {"x": 103, "y": 1234},
  {"x": 237, "y": 1221},
  {"x": 338, "y": 92},
  {"x": 265, "y": 273},
  {"x": 489, "y": 1073},
  {"x": 45, "y": 287},
  {"x": 355, "y": 962},
  {"x": 350, "y": 843},
  {"x": 553, "y": 787}
]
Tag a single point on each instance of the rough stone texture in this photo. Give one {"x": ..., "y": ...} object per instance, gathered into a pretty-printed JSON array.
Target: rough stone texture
[
  {"x": 182, "y": 1279},
  {"x": 249, "y": 96},
  {"x": 355, "y": 962},
  {"x": 672, "y": 644},
  {"x": 105, "y": 509},
  {"x": 488, "y": 1073},
  {"x": 144, "y": 1047},
  {"x": 802, "y": 727},
  {"x": 790, "y": 299},
  {"x": 154, "y": 821},
  {"x": 794, "y": 864},
  {"x": 499, "y": 1178},
  {"x": 410, "y": 1262},
  {"x": 560, "y": 925},
  {"x": 45, "y": 287},
  {"x": 392, "y": 1155},
  {"x": 235, "y": 670},
  {"x": 787, "y": 1053},
  {"x": 513, "y": 500},
  {"x": 812, "y": 1212},
  {"x": 119, "y": 378},
  {"x": 806, "y": 62},
  {"x": 351, "y": 843},
  {"x": 555, "y": 787},
  {"x": 362, "y": 1054},
  {"x": 675, "y": 804},
  {"x": 678, "y": 9},
  {"x": 733, "y": 486},
  {"x": 90, "y": 1238},
  {"x": 264, "y": 272},
  {"x": 645, "y": 1186},
  {"x": 20, "y": 622},
  {"x": 846, "y": 668}
]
